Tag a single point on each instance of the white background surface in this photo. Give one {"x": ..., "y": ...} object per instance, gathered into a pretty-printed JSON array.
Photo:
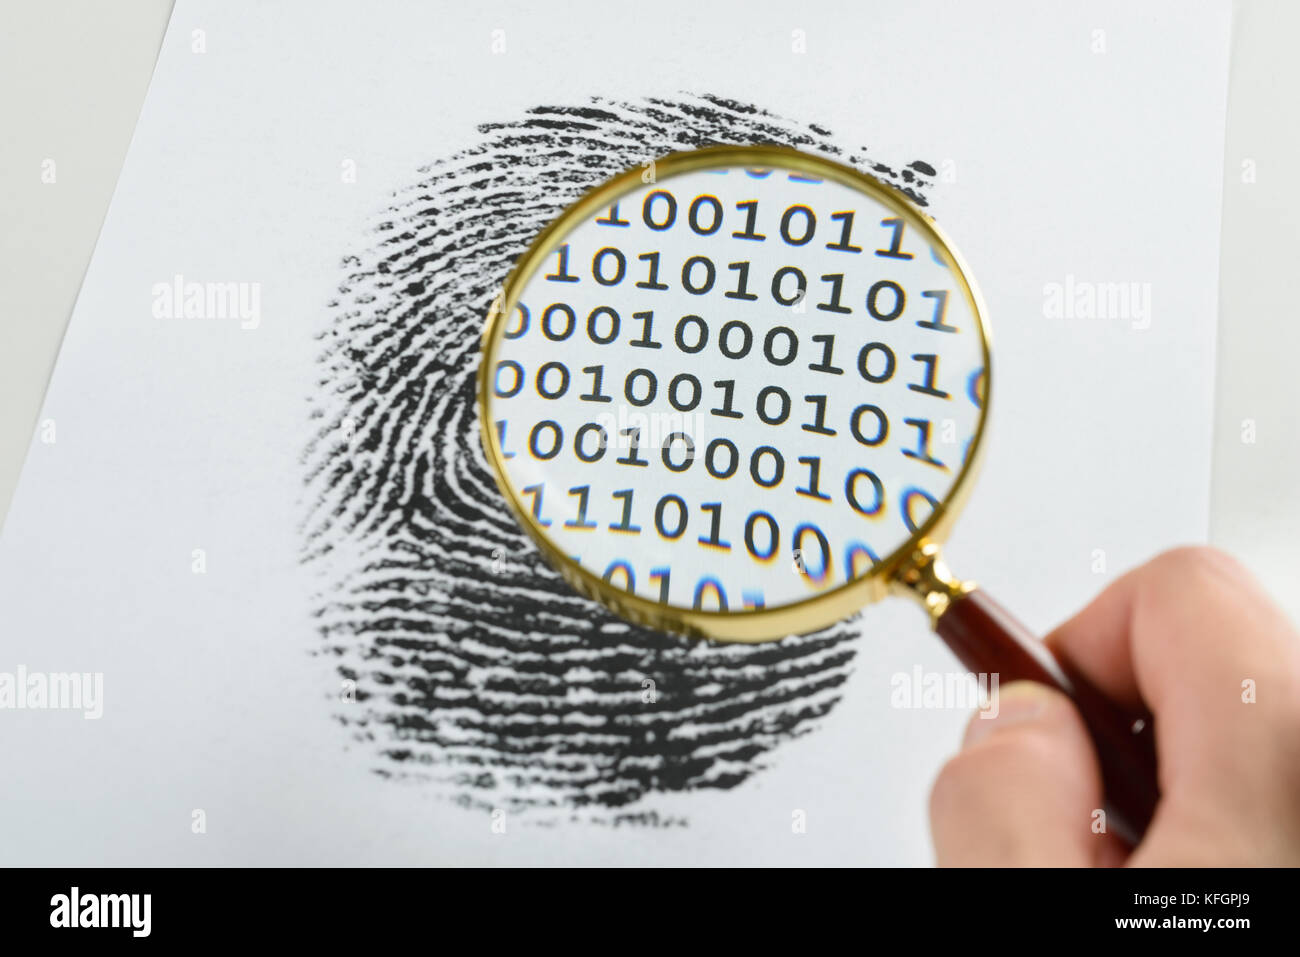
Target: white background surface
[
  {"x": 279, "y": 772},
  {"x": 77, "y": 71}
]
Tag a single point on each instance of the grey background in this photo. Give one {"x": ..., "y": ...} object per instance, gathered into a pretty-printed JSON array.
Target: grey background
[{"x": 75, "y": 74}]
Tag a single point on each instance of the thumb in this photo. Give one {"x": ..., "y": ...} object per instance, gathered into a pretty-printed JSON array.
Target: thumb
[{"x": 1024, "y": 790}]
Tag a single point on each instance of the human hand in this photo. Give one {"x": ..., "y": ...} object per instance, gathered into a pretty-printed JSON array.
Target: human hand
[{"x": 1193, "y": 637}]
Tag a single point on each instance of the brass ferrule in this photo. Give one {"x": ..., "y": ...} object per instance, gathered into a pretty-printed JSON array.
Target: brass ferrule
[{"x": 925, "y": 577}]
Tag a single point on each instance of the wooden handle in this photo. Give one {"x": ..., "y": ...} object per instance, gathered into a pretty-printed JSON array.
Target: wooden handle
[{"x": 988, "y": 640}]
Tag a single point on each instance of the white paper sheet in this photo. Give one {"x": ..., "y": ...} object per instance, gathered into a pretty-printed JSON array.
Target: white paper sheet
[{"x": 1076, "y": 151}]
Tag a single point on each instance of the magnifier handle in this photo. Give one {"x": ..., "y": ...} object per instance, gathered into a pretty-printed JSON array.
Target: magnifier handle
[{"x": 988, "y": 640}]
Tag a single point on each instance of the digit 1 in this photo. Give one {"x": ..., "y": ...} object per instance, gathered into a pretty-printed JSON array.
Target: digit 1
[
  {"x": 562, "y": 273},
  {"x": 837, "y": 286},
  {"x": 940, "y": 297},
  {"x": 652, "y": 282},
  {"x": 931, "y": 364},
  {"x": 536, "y": 492},
  {"x": 894, "y": 251},
  {"x": 663, "y": 573},
  {"x": 624, "y": 524},
  {"x": 597, "y": 374},
  {"x": 751, "y": 217},
  {"x": 813, "y": 490},
  {"x": 818, "y": 425},
  {"x": 645, "y": 342},
  {"x": 631, "y": 457},
  {"x": 501, "y": 439},
  {"x": 715, "y": 526},
  {"x": 728, "y": 411},
  {"x": 922, "y": 451},
  {"x": 843, "y": 243},
  {"x": 582, "y": 492},
  {"x": 828, "y": 346},
  {"x": 612, "y": 218},
  {"x": 742, "y": 283}
]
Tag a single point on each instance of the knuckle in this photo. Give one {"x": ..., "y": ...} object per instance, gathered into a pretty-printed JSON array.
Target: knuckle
[{"x": 1199, "y": 563}]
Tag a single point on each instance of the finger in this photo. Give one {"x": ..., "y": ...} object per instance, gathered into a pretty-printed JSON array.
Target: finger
[{"x": 1025, "y": 789}]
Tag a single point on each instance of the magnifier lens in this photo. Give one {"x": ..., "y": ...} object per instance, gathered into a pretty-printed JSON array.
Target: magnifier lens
[{"x": 734, "y": 388}]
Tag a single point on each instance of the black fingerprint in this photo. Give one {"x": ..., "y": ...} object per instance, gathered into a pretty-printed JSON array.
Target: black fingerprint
[{"x": 475, "y": 667}]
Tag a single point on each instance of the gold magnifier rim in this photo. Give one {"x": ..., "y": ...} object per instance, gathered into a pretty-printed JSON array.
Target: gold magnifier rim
[{"x": 742, "y": 625}]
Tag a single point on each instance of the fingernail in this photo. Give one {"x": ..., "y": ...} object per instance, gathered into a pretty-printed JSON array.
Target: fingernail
[{"x": 1015, "y": 703}]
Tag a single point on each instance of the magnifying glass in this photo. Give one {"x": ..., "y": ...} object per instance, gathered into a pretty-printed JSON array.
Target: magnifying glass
[{"x": 740, "y": 393}]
